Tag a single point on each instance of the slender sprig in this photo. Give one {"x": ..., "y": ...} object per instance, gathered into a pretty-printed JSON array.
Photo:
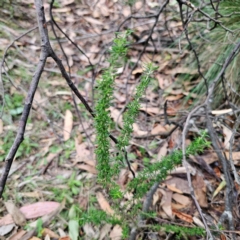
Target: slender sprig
[
  {"x": 158, "y": 171},
  {"x": 180, "y": 231},
  {"x": 130, "y": 115},
  {"x": 105, "y": 93}
]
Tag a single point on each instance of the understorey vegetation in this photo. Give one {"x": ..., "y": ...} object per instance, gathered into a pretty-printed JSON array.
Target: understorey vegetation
[{"x": 119, "y": 119}]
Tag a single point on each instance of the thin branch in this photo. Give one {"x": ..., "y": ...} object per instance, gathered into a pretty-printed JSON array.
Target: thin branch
[
  {"x": 45, "y": 52},
  {"x": 185, "y": 164},
  {"x": 229, "y": 184}
]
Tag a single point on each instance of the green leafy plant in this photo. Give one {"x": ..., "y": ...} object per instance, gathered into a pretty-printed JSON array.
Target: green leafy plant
[
  {"x": 97, "y": 217},
  {"x": 130, "y": 115},
  {"x": 14, "y": 103},
  {"x": 73, "y": 224},
  {"x": 24, "y": 150},
  {"x": 213, "y": 45},
  {"x": 109, "y": 166},
  {"x": 74, "y": 184},
  {"x": 158, "y": 171},
  {"x": 39, "y": 227},
  {"x": 103, "y": 120},
  {"x": 180, "y": 231}
]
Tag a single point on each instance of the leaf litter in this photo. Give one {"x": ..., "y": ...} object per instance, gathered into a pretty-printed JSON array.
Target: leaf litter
[{"x": 62, "y": 153}]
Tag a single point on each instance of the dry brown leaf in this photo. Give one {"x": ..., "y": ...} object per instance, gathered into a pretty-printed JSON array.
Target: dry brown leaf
[
  {"x": 35, "y": 238},
  {"x": 65, "y": 238},
  {"x": 83, "y": 202},
  {"x": 192, "y": 95},
  {"x": 35, "y": 194},
  {"x": 134, "y": 166},
  {"x": 93, "y": 21},
  {"x": 68, "y": 124},
  {"x": 105, "y": 206},
  {"x": 166, "y": 202},
  {"x": 116, "y": 233},
  {"x": 183, "y": 216},
  {"x": 96, "y": 13},
  {"x": 223, "y": 237},
  {"x": 179, "y": 183},
  {"x": 90, "y": 162},
  {"x": 158, "y": 129},
  {"x": 4, "y": 230},
  {"x": 104, "y": 10},
  {"x": 61, "y": 233},
  {"x": 212, "y": 157},
  {"x": 46, "y": 219},
  {"x": 198, "y": 222},
  {"x": 69, "y": 51},
  {"x": 172, "y": 91},
  {"x": 177, "y": 70},
  {"x": 87, "y": 168},
  {"x": 235, "y": 156},
  {"x": 174, "y": 98},
  {"x": 199, "y": 160},
  {"x": 37, "y": 99},
  {"x": 200, "y": 190},
  {"x": 138, "y": 131},
  {"x": 217, "y": 171},
  {"x": 156, "y": 197},
  {"x": 116, "y": 115},
  {"x": 162, "y": 151},
  {"x": 175, "y": 139},
  {"x": 17, "y": 216},
  {"x": 66, "y": 2},
  {"x": 174, "y": 189},
  {"x": 227, "y": 136},
  {"x": 18, "y": 235},
  {"x": 32, "y": 211},
  {"x": 50, "y": 233},
  {"x": 150, "y": 110},
  {"x": 137, "y": 70},
  {"x": 39, "y": 209},
  {"x": 120, "y": 97},
  {"x": 81, "y": 12},
  {"x": 164, "y": 81},
  {"x": 58, "y": 83},
  {"x": 126, "y": 11},
  {"x": 104, "y": 231},
  {"x": 138, "y": 5},
  {"x": 61, "y": 10},
  {"x": 6, "y": 220},
  {"x": 181, "y": 170},
  {"x": 222, "y": 111},
  {"x": 181, "y": 199},
  {"x": 82, "y": 150},
  {"x": 177, "y": 206},
  {"x": 123, "y": 178}
]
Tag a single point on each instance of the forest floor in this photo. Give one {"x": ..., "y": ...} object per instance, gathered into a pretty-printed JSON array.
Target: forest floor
[{"x": 54, "y": 173}]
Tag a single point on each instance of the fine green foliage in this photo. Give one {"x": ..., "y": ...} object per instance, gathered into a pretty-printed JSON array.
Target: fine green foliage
[
  {"x": 109, "y": 166},
  {"x": 130, "y": 115},
  {"x": 24, "y": 150},
  {"x": 97, "y": 217},
  {"x": 213, "y": 46},
  {"x": 158, "y": 171},
  {"x": 39, "y": 227},
  {"x": 103, "y": 119},
  {"x": 179, "y": 231}
]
